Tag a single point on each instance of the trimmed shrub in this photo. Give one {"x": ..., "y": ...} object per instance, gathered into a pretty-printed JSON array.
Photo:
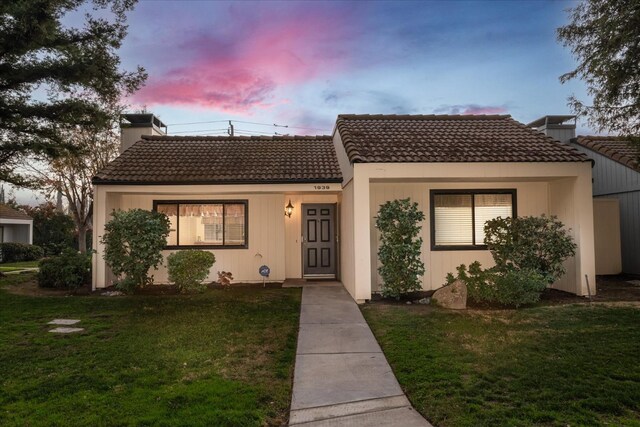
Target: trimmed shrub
[
  {"x": 17, "y": 252},
  {"x": 511, "y": 288},
  {"x": 530, "y": 243},
  {"x": 400, "y": 247},
  {"x": 528, "y": 253},
  {"x": 478, "y": 282},
  {"x": 70, "y": 270},
  {"x": 519, "y": 287},
  {"x": 188, "y": 268},
  {"x": 133, "y": 242}
]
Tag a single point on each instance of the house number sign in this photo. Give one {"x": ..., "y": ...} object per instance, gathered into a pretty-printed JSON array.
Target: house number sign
[{"x": 264, "y": 271}]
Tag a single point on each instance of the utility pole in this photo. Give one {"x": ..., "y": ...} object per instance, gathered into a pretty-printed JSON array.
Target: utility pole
[{"x": 230, "y": 130}]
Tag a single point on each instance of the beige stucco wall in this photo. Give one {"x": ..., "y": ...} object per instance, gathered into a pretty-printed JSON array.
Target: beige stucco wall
[
  {"x": 563, "y": 189},
  {"x": 347, "y": 260},
  {"x": 273, "y": 239},
  {"x": 606, "y": 223},
  {"x": 532, "y": 199}
]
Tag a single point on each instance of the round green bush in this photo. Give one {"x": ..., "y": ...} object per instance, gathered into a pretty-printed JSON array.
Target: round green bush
[
  {"x": 70, "y": 270},
  {"x": 536, "y": 243},
  {"x": 188, "y": 268}
]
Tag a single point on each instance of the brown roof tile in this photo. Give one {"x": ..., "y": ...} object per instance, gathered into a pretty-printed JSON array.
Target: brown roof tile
[
  {"x": 7, "y": 212},
  {"x": 211, "y": 160},
  {"x": 619, "y": 149},
  {"x": 448, "y": 138}
]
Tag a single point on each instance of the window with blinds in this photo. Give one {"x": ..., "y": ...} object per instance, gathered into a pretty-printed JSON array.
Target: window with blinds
[
  {"x": 206, "y": 224},
  {"x": 458, "y": 217}
]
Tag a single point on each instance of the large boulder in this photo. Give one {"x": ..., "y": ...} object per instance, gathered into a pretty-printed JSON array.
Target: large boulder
[{"x": 453, "y": 296}]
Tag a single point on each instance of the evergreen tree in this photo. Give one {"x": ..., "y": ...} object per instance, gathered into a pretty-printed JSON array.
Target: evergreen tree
[
  {"x": 54, "y": 77},
  {"x": 604, "y": 36}
]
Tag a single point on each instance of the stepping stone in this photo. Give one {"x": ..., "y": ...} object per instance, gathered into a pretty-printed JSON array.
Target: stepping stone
[
  {"x": 63, "y": 322},
  {"x": 66, "y": 330}
]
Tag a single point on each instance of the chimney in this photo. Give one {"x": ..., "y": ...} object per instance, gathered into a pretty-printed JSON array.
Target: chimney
[
  {"x": 561, "y": 128},
  {"x": 133, "y": 126}
]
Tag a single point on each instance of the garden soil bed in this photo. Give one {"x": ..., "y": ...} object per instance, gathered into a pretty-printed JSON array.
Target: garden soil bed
[{"x": 617, "y": 288}]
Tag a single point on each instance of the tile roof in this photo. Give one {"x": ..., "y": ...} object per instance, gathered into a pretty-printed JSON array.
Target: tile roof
[
  {"x": 448, "y": 138},
  {"x": 616, "y": 148},
  {"x": 7, "y": 212},
  {"x": 225, "y": 160}
]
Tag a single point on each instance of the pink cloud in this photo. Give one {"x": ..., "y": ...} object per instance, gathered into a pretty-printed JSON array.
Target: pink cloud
[
  {"x": 471, "y": 109},
  {"x": 241, "y": 68},
  {"x": 477, "y": 109}
]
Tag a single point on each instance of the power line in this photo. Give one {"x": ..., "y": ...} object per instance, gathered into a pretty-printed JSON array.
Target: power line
[
  {"x": 199, "y": 131},
  {"x": 262, "y": 124},
  {"x": 248, "y": 123},
  {"x": 279, "y": 126},
  {"x": 254, "y": 132},
  {"x": 197, "y": 123}
]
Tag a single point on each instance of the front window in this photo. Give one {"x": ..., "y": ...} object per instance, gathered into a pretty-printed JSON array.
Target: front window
[
  {"x": 458, "y": 217},
  {"x": 207, "y": 224}
]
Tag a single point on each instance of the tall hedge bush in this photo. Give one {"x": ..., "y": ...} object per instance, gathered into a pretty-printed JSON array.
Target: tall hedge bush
[
  {"x": 133, "y": 243},
  {"x": 400, "y": 247},
  {"x": 17, "y": 252}
]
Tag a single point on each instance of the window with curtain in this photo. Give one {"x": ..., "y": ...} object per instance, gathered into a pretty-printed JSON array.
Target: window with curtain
[
  {"x": 458, "y": 217},
  {"x": 206, "y": 224}
]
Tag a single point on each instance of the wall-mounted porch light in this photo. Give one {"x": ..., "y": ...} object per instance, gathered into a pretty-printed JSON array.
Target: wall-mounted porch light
[{"x": 288, "y": 210}]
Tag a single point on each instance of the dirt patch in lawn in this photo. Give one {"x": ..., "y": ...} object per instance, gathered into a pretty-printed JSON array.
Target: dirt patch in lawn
[{"x": 26, "y": 284}]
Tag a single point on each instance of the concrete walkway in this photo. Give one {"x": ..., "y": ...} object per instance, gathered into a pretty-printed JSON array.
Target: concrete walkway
[{"x": 341, "y": 375}]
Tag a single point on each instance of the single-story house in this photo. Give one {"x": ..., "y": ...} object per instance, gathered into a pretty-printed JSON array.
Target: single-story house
[
  {"x": 616, "y": 176},
  {"x": 230, "y": 194},
  {"x": 15, "y": 226}
]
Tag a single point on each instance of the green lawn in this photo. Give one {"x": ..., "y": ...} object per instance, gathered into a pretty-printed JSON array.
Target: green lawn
[
  {"x": 13, "y": 266},
  {"x": 222, "y": 358},
  {"x": 560, "y": 366}
]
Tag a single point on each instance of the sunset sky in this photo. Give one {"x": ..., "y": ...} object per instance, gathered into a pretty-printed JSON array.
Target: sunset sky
[{"x": 302, "y": 63}]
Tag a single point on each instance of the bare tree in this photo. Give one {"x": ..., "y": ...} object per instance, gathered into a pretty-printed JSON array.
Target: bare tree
[{"x": 71, "y": 175}]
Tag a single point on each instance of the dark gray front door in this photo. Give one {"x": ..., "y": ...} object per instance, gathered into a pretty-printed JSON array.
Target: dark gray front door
[{"x": 319, "y": 240}]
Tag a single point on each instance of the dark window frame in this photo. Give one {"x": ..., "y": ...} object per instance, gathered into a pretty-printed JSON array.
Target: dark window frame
[
  {"x": 208, "y": 202},
  {"x": 472, "y": 193}
]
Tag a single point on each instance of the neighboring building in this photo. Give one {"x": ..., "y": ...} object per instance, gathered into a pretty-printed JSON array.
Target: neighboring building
[
  {"x": 15, "y": 226},
  {"x": 228, "y": 195},
  {"x": 616, "y": 174},
  {"x": 606, "y": 207}
]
